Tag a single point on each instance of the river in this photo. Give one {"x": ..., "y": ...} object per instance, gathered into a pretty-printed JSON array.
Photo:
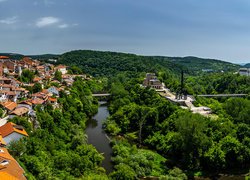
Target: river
[{"x": 98, "y": 138}]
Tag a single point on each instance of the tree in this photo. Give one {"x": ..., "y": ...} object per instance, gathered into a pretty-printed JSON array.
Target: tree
[
  {"x": 27, "y": 76},
  {"x": 37, "y": 88},
  {"x": 123, "y": 172},
  {"x": 58, "y": 75}
]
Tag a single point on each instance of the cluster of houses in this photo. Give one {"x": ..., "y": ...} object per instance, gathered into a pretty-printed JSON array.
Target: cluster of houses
[{"x": 17, "y": 100}]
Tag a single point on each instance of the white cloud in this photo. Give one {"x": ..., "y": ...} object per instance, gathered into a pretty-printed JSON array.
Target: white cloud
[
  {"x": 10, "y": 20},
  {"x": 47, "y": 21},
  {"x": 62, "y": 26}
]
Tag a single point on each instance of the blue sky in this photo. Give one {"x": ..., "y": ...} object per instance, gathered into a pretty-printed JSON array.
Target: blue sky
[{"x": 214, "y": 29}]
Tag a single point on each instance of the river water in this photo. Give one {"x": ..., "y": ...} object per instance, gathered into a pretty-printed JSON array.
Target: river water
[{"x": 98, "y": 138}]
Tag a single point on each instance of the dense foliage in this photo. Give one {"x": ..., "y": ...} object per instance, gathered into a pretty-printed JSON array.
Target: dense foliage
[
  {"x": 189, "y": 141},
  {"x": 218, "y": 83},
  {"x": 59, "y": 149}
]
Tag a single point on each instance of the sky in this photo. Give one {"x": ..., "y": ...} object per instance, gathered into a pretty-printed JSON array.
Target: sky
[{"x": 218, "y": 29}]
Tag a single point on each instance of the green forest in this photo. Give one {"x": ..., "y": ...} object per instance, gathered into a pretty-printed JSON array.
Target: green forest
[{"x": 151, "y": 137}]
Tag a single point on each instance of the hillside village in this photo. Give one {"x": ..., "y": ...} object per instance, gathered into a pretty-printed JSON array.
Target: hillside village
[{"x": 25, "y": 84}]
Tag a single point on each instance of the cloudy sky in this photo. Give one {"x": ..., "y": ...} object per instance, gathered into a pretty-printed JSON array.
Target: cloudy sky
[{"x": 214, "y": 28}]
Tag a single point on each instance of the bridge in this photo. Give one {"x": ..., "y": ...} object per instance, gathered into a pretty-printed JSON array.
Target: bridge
[
  {"x": 222, "y": 95},
  {"x": 101, "y": 95}
]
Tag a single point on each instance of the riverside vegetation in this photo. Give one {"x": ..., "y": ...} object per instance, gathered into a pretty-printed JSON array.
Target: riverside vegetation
[{"x": 151, "y": 136}]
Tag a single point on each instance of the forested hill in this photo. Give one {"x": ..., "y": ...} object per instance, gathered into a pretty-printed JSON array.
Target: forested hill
[
  {"x": 40, "y": 57},
  {"x": 196, "y": 64},
  {"x": 12, "y": 55},
  {"x": 100, "y": 63},
  {"x": 247, "y": 65}
]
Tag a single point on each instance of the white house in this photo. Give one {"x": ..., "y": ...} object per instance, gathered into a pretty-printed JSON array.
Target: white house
[
  {"x": 244, "y": 71},
  {"x": 61, "y": 68}
]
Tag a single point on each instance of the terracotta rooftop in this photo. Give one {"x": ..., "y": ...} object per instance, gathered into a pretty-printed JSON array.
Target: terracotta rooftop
[
  {"x": 36, "y": 79},
  {"x": 9, "y": 168},
  {"x": 37, "y": 101},
  {"x": 4, "y": 57},
  {"x": 2, "y": 142},
  {"x": 52, "y": 99},
  {"x": 9, "y": 105},
  {"x": 10, "y": 127},
  {"x": 20, "y": 111}
]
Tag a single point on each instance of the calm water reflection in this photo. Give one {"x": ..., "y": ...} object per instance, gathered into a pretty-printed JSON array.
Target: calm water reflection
[{"x": 97, "y": 136}]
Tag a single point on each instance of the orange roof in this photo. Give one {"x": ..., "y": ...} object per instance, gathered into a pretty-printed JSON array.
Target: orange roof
[
  {"x": 12, "y": 170},
  {"x": 37, "y": 79},
  {"x": 40, "y": 67},
  {"x": 37, "y": 101},
  {"x": 11, "y": 93},
  {"x": 52, "y": 99},
  {"x": 20, "y": 111},
  {"x": 26, "y": 102},
  {"x": 10, "y": 127},
  {"x": 2, "y": 142},
  {"x": 9, "y": 105},
  {"x": 45, "y": 91},
  {"x": 60, "y": 66},
  {"x": 40, "y": 95},
  {"x": 4, "y": 57}
]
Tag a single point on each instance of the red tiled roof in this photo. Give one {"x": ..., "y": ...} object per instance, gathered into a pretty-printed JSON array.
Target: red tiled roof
[
  {"x": 12, "y": 170},
  {"x": 20, "y": 111},
  {"x": 9, "y": 105},
  {"x": 9, "y": 128},
  {"x": 4, "y": 57},
  {"x": 52, "y": 99},
  {"x": 37, "y": 101}
]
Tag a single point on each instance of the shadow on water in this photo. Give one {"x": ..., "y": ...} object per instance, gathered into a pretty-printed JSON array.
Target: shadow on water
[{"x": 98, "y": 138}]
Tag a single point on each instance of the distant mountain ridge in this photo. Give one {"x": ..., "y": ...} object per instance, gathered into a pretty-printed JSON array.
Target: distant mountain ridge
[
  {"x": 105, "y": 62},
  {"x": 247, "y": 65},
  {"x": 100, "y": 63}
]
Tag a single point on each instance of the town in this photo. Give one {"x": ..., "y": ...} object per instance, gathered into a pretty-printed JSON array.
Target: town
[{"x": 25, "y": 84}]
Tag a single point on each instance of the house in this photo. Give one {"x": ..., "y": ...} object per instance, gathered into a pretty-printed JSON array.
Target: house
[
  {"x": 37, "y": 101},
  {"x": 12, "y": 132},
  {"x": 52, "y": 100},
  {"x": 37, "y": 79},
  {"x": 9, "y": 167},
  {"x": 4, "y": 80},
  {"x": 244, "y": 71},
  {"x": 1, "y": 69},
  {"x": 53, "y": 90},
  {"x": 4, "y": 57},
  {"x": 40, "y": 95},
  {"x": 152, "y": 81},
  {"x": 11, "y": 65},
  {"x": 3, "y": 96},
  {"x": 61, "y": 68},
  {"x": 9, "y": 106},
  {"x": 27, "y": 62},
  {"x": 19, "y": 111}
]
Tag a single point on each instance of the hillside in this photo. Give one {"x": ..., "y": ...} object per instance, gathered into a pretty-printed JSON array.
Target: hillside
[
  {"x": 100, "y": 63},
  {"x": 195, "y": 64},
  {"x": 247, "y": 65},
  {"x": 12, "y": 55}
]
